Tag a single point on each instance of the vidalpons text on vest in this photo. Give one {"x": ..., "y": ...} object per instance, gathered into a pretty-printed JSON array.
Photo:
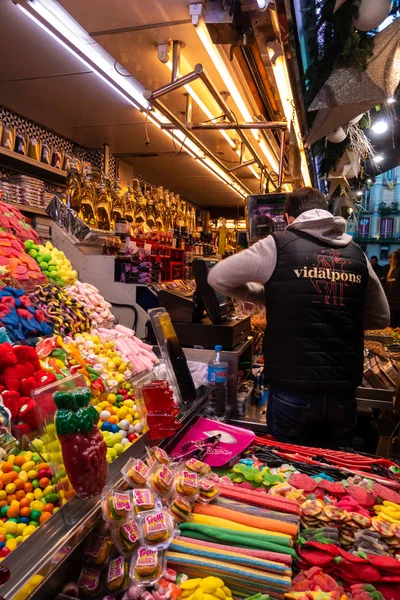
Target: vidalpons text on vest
[{"x": 329, "y": 274}]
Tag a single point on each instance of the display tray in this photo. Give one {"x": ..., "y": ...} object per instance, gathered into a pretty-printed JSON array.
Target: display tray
[{"x": 50, "y": 546}]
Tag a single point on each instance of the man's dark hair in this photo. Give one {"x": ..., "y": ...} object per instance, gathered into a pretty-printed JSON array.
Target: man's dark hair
[
  {"x": 374, "y": 257},
  {"x": 304, "y": 199}
]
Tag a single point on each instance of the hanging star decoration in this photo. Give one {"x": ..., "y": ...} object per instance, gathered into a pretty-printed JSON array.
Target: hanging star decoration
[
  {"x": 348, "y": 92},
  {"x": 346, "y": 168}
]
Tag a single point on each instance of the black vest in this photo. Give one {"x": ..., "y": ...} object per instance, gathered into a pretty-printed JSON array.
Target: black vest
[{"x": 315, "y": 303}]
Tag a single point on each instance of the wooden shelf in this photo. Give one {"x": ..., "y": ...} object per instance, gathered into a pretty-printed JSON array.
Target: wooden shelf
[
  {"x": 28, "y": 166},
  {"x": 33, "y": 210}
]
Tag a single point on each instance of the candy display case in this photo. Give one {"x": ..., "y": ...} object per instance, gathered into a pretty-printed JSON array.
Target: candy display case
[{"x": 51, "y": 548}]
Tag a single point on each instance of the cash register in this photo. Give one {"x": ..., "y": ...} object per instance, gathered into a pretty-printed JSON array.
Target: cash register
[{"x": 202, "y": 316}]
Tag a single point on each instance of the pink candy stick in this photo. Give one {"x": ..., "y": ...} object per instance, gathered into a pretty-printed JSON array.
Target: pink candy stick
[{"x": 125, "y": 330}]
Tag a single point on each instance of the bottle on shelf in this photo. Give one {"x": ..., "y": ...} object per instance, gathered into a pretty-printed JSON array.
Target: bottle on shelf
[
  {"x": 159, "y": 209},
  {"x": 130, "y": 208},
  {"x": 74, "y": 187},
  {"x": 140, "y": 213},
  {"x": 88, "y": 200},
  {"x": 103, "y": 204},
  {"x": 217, "y": 376},
  {"x": 150, "y": 215},
  {"x": 117, "y": 203}
]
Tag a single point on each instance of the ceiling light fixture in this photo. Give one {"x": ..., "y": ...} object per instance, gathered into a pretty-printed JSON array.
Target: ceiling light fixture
[
  {"x": 378, "y": 158},
  {"x": 369, "y": 180},
  {"x": 360, "y": 193},
  {"x": 391, "y": 100},
  {"x": 50, "y": 16},
  {"x": 219, "y": 63},
  {"x": 380, "y": 127},
  {"x": 283, "y": 84},
  {"x": 263, "y": 4}
]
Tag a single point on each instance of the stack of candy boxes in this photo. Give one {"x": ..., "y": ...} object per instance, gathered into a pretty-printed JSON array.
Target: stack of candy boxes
[{"x": 126, "y": 552}]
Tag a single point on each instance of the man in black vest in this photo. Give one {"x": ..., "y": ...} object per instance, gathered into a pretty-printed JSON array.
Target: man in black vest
[{"x": 320, "y": 292}]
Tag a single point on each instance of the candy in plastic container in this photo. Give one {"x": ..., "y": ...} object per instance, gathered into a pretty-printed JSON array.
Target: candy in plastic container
[
  {"x": 89, "y": 582},
  {"x": 135, "y": 472},
  {"x": 156, "y": 529},
  {"x": 161, "y": 480},
  {"x": 117, "y": 506},
  {"x": 208, "y": 491},
  {"x": 98, "y": 549},
  {"x": 187, "y": 483},
  {"x": 181, "y": 508},
  {"x": 147, "y": 566},
  {"x": 157, "y": 455},
  {"x": 143, "y": 499},
  {"x": 117, "y": 575},
  {"x": 197, "y": 466},
  {"x": 126, "y": 537}
]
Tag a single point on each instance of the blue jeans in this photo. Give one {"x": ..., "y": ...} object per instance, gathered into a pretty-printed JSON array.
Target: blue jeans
[{"x": 325, "y": 419}]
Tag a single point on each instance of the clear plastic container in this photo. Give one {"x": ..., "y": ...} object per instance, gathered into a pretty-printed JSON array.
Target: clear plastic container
[
  {"x": 161, "y": 480},
  {"x": 148, "y": 566},
  {"x": 98, "y": 549},
  {"x": 156, "y": 529},
  {"x": 157, "y": 455},
  {"x": 208, "y": 491},
  {"x": 218, "y": 373},
  {"x": 117, "y": 506},
  {"x": 144, "y": 500},
  {"x": 180, "y": 508},
  {"x": 197, "y": 466},
  {"x": 135, "y": 473},
  {"x": 118, "y": 579},
  {"x": 126, "y": 537},
  {"x": 89, "y": 582},
  {"x": 187, "y": 483}
]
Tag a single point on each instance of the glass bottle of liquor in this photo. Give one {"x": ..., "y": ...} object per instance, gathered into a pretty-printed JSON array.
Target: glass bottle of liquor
[
  {"x": 140, "y": 212},
  {"x": 150, "y": 214},
  {"x": 117, "y": 203},
  {"x": 88, "y": 200},
  {"x": 160, "y": 209},
  {"x": 103, "y": 204},
  {"x": 130, "y": 208},
  {"x": 74, "y": 187}
]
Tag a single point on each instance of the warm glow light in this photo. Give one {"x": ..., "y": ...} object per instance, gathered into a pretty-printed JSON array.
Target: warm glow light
[
  {"x": 380, "y": 127},
  {"x": 262, "y": 4},
  {"x": 216, "y": 58},
  {"x": 285, "y": 92},
  {"x": 211, "y": 116},
  {"x": 103, "y": 65}
]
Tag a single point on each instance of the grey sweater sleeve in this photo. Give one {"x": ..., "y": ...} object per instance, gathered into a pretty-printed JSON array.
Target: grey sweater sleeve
[
  {"x": 243, "y": 275},
  {"x": 377, "y": 312}
]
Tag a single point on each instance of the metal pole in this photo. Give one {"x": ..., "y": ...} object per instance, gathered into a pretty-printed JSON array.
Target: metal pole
[
  {"x": 190, "y": 136},
  {"x": 236, "y": 126},
  {"x": 281, "y": 159},
  {"x": 242, "y": 149},
  {"x": 170, "y": 87},
  {"x": 219, "y": 99},
  {"x": 245, "y": 164},
  {"x": 189, "y": 109},
  {"x": 176, "y": 59}
]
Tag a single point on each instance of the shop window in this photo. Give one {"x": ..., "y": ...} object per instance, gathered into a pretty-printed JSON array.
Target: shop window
[
  {"x": 363, "y": 228},
  {"x": 387, "y": 227}
]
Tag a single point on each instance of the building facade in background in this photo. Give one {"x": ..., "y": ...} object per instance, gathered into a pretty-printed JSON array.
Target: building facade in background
[{"x": 377, "y": 228}]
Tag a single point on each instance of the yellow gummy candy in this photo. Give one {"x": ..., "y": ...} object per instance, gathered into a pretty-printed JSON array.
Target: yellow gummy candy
[
  {"x": 187, "y": 593},
  {"x": 378, "y": 508},
  {"x": 209, "y": 597},
  {"x": 393, "y": 504},
  {"x": 199, "y": 594},
  {"x": 190, "y": 584},
  {"x": 210, "y": 583},
  {"x": 384, "y": 517},
  {"x": 227, "y": 591},
  {"x": 219, "y": 593}
]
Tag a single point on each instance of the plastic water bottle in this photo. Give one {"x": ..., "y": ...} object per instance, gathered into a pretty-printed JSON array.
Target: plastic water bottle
[{"x": 218, "y": 382}]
